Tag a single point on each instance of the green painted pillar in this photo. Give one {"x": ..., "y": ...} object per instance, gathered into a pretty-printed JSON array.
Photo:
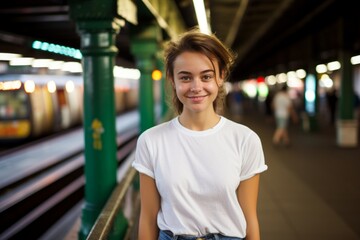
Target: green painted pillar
[
  {"x": 347, "y": 128},
  {"x": 97, "y": 27},
  {"x": 163, "y": 89},
  {"x": 98, "y": 49},
  {"x": 346, "y": 100},
  {"x": 144, "y": 45}
]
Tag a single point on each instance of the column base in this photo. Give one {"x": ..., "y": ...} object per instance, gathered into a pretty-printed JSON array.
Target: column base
[{"x": 347, "y": 133}]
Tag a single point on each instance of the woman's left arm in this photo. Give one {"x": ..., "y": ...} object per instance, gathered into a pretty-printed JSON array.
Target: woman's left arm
[{"x": 247, "y": 194}]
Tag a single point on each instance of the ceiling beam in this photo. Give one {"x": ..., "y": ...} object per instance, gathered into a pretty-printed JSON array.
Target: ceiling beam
[
  {"x": 263, "y": 29},
  {"x": 234, "y": 27},
  {"x": 167, "y": 16}
]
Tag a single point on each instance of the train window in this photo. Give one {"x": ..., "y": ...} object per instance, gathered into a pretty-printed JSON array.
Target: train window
[
  {"x": 61, "y": 97},
  {"x": 13, "y": 105}
]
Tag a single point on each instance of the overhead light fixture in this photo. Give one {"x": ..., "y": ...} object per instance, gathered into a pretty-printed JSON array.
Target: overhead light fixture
[
  {"x": 22, "y": 61},
  {"x": 201, "y": 16},
  {"x": 8, "y": 56},
  {"x": 41, "y": 63}
]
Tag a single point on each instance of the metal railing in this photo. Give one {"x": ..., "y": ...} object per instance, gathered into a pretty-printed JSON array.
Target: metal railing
[{"x": 112, "y": 222}]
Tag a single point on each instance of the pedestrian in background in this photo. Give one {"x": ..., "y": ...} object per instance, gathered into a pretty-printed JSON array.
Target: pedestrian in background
[
  {"x": 283, "y": 111},
  {"x": 199, "y": 172}
]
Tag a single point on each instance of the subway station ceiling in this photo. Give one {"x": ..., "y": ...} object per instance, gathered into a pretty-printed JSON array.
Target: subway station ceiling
[{"x": 269, "y": 36}]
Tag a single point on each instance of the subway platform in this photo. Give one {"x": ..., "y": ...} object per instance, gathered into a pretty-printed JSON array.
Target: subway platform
[{"x": 311, "y": 189}]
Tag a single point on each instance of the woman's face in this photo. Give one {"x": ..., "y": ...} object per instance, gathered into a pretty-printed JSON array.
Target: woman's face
[{"x": 195, "y": 81}]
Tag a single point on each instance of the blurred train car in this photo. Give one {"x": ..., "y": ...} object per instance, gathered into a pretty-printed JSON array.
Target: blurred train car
[{"x": 33, "y": 106}]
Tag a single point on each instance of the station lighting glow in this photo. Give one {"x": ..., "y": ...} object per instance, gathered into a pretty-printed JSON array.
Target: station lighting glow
[
  {"x": 41, "y": 63},
  {"x": 281, "y": 78},
  {"x": 310, "y": 94},
  {"x": 58, "y": 49},
  {"x": 332, "y": 66},
  {"x": 29, "y": 86},
  {"x": 51, "y": 85},
  {"x": 293, "y": 80},
  {"x": 201, "y": 16},
  {"x": 300, "y": 73},
  {"x": 10, "y": 85},
  {"x": 263, "y": 91},
  {"x": 130, "y": 73},
  {"x": 23, "y": 61},
  {"x": 250, "y": 88},
  {"x": 355, "y": 60},
  {"x": 321, "y": 68},
  {"x": 54, "y": 65},
  {"x": 8, "y": 56},
  {"x": 156, "y": 75},
  {"x": 326, "y": 81},
  {"x": 73, "y": 67},
  {"x": 70, "y": 86},
  {"x": 270, "y": 80}
]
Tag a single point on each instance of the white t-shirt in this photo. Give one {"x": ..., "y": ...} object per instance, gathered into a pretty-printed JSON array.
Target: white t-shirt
[{"x": 197, "y": 174}]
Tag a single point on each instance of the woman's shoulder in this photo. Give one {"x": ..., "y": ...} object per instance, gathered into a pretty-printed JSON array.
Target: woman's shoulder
[
  {"x": 237, "y": 127},
  {"x": 158, "y": 129}
]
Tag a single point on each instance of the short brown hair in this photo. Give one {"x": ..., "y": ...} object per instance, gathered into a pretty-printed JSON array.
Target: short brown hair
[{"x": 209, "y": 45}]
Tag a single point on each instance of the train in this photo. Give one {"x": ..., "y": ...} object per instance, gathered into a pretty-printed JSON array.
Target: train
[{"x": 37, "y": 105}]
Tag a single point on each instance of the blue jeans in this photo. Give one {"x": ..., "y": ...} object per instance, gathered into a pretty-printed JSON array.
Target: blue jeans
[{"x": 167, "y": 235}]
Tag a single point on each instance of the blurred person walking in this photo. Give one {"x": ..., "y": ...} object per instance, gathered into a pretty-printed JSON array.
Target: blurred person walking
[
  {"x": 199, "y": 172},
  {"x": 283, "y": 111}
]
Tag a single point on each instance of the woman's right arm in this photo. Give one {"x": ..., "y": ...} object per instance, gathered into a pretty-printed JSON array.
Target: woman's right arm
[{"x": 150, "y": 205}]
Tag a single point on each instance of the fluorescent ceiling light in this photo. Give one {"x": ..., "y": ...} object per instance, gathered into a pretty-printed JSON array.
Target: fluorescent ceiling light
[
  {"x": 24, "y": 61},
  {"x": 8, "y": 56},
  {"x": 355, "y": 60},
  {"x": 41, "y": 63},
  {"x": 201, "y": 16}
]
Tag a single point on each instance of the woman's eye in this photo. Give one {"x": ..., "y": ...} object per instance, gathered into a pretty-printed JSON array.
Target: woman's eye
[
  {"x": 185, "y": 78},
  {"x": 207, "y": 77}
]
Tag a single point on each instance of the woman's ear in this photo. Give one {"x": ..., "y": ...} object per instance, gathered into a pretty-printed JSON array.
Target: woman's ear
[
  {"x": 221, "y": 78},
  {"x": 172, "y": 82}
]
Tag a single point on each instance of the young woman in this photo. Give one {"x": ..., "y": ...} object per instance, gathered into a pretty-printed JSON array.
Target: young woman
[{"x": 199, "y": 172}]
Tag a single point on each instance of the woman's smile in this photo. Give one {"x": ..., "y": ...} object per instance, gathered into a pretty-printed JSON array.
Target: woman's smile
[{"x": 197, "y": 99}]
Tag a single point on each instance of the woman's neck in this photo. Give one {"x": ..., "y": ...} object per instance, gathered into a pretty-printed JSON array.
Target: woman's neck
[{"x": 199, "y": 121}]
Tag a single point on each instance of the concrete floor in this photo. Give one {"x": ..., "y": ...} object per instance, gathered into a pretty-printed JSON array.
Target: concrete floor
[{"x": 311, "y": 189}]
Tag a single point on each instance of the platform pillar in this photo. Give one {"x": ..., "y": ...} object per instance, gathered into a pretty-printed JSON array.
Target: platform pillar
[
  {"x": 347, "y": 125},
  {"x": 163, "y": 89},
  {"x": 98, "y": 27},
  {"x": 98, "y": 49},
  {"x": 144, "y": 45}
]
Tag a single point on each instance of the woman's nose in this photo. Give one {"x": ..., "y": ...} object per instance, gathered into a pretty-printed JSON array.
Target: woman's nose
[{"x": 196, "y": 86}]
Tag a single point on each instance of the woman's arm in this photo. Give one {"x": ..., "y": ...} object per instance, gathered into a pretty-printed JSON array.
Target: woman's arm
[
  {"x": 150, "y": 205},
  {"x": 247, "y": 194}
]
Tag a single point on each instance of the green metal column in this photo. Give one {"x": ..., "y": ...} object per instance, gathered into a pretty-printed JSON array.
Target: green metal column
[
  {"x": 347, "y": 128},
  {"x": 97, "y": 27},
  {"x": 98, "y": 49},
  {"x": 164, "y": 85},
  {"x": 346, "y": 100},
  {"x": 144, "y": 45}
]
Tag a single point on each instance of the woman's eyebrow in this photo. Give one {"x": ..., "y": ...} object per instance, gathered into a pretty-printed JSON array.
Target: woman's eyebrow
[
  {"x": 184, "y": 72},
  {"x": 202, "y": 72}
]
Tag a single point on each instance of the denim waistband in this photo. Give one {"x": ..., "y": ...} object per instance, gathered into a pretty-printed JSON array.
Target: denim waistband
[{"x": 210, "y": 236}]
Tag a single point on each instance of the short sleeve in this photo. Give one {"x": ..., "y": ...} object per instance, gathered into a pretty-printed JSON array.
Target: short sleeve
[
  {"x": 143, "y": 160},
  {"x": 254, "y": 160}
]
